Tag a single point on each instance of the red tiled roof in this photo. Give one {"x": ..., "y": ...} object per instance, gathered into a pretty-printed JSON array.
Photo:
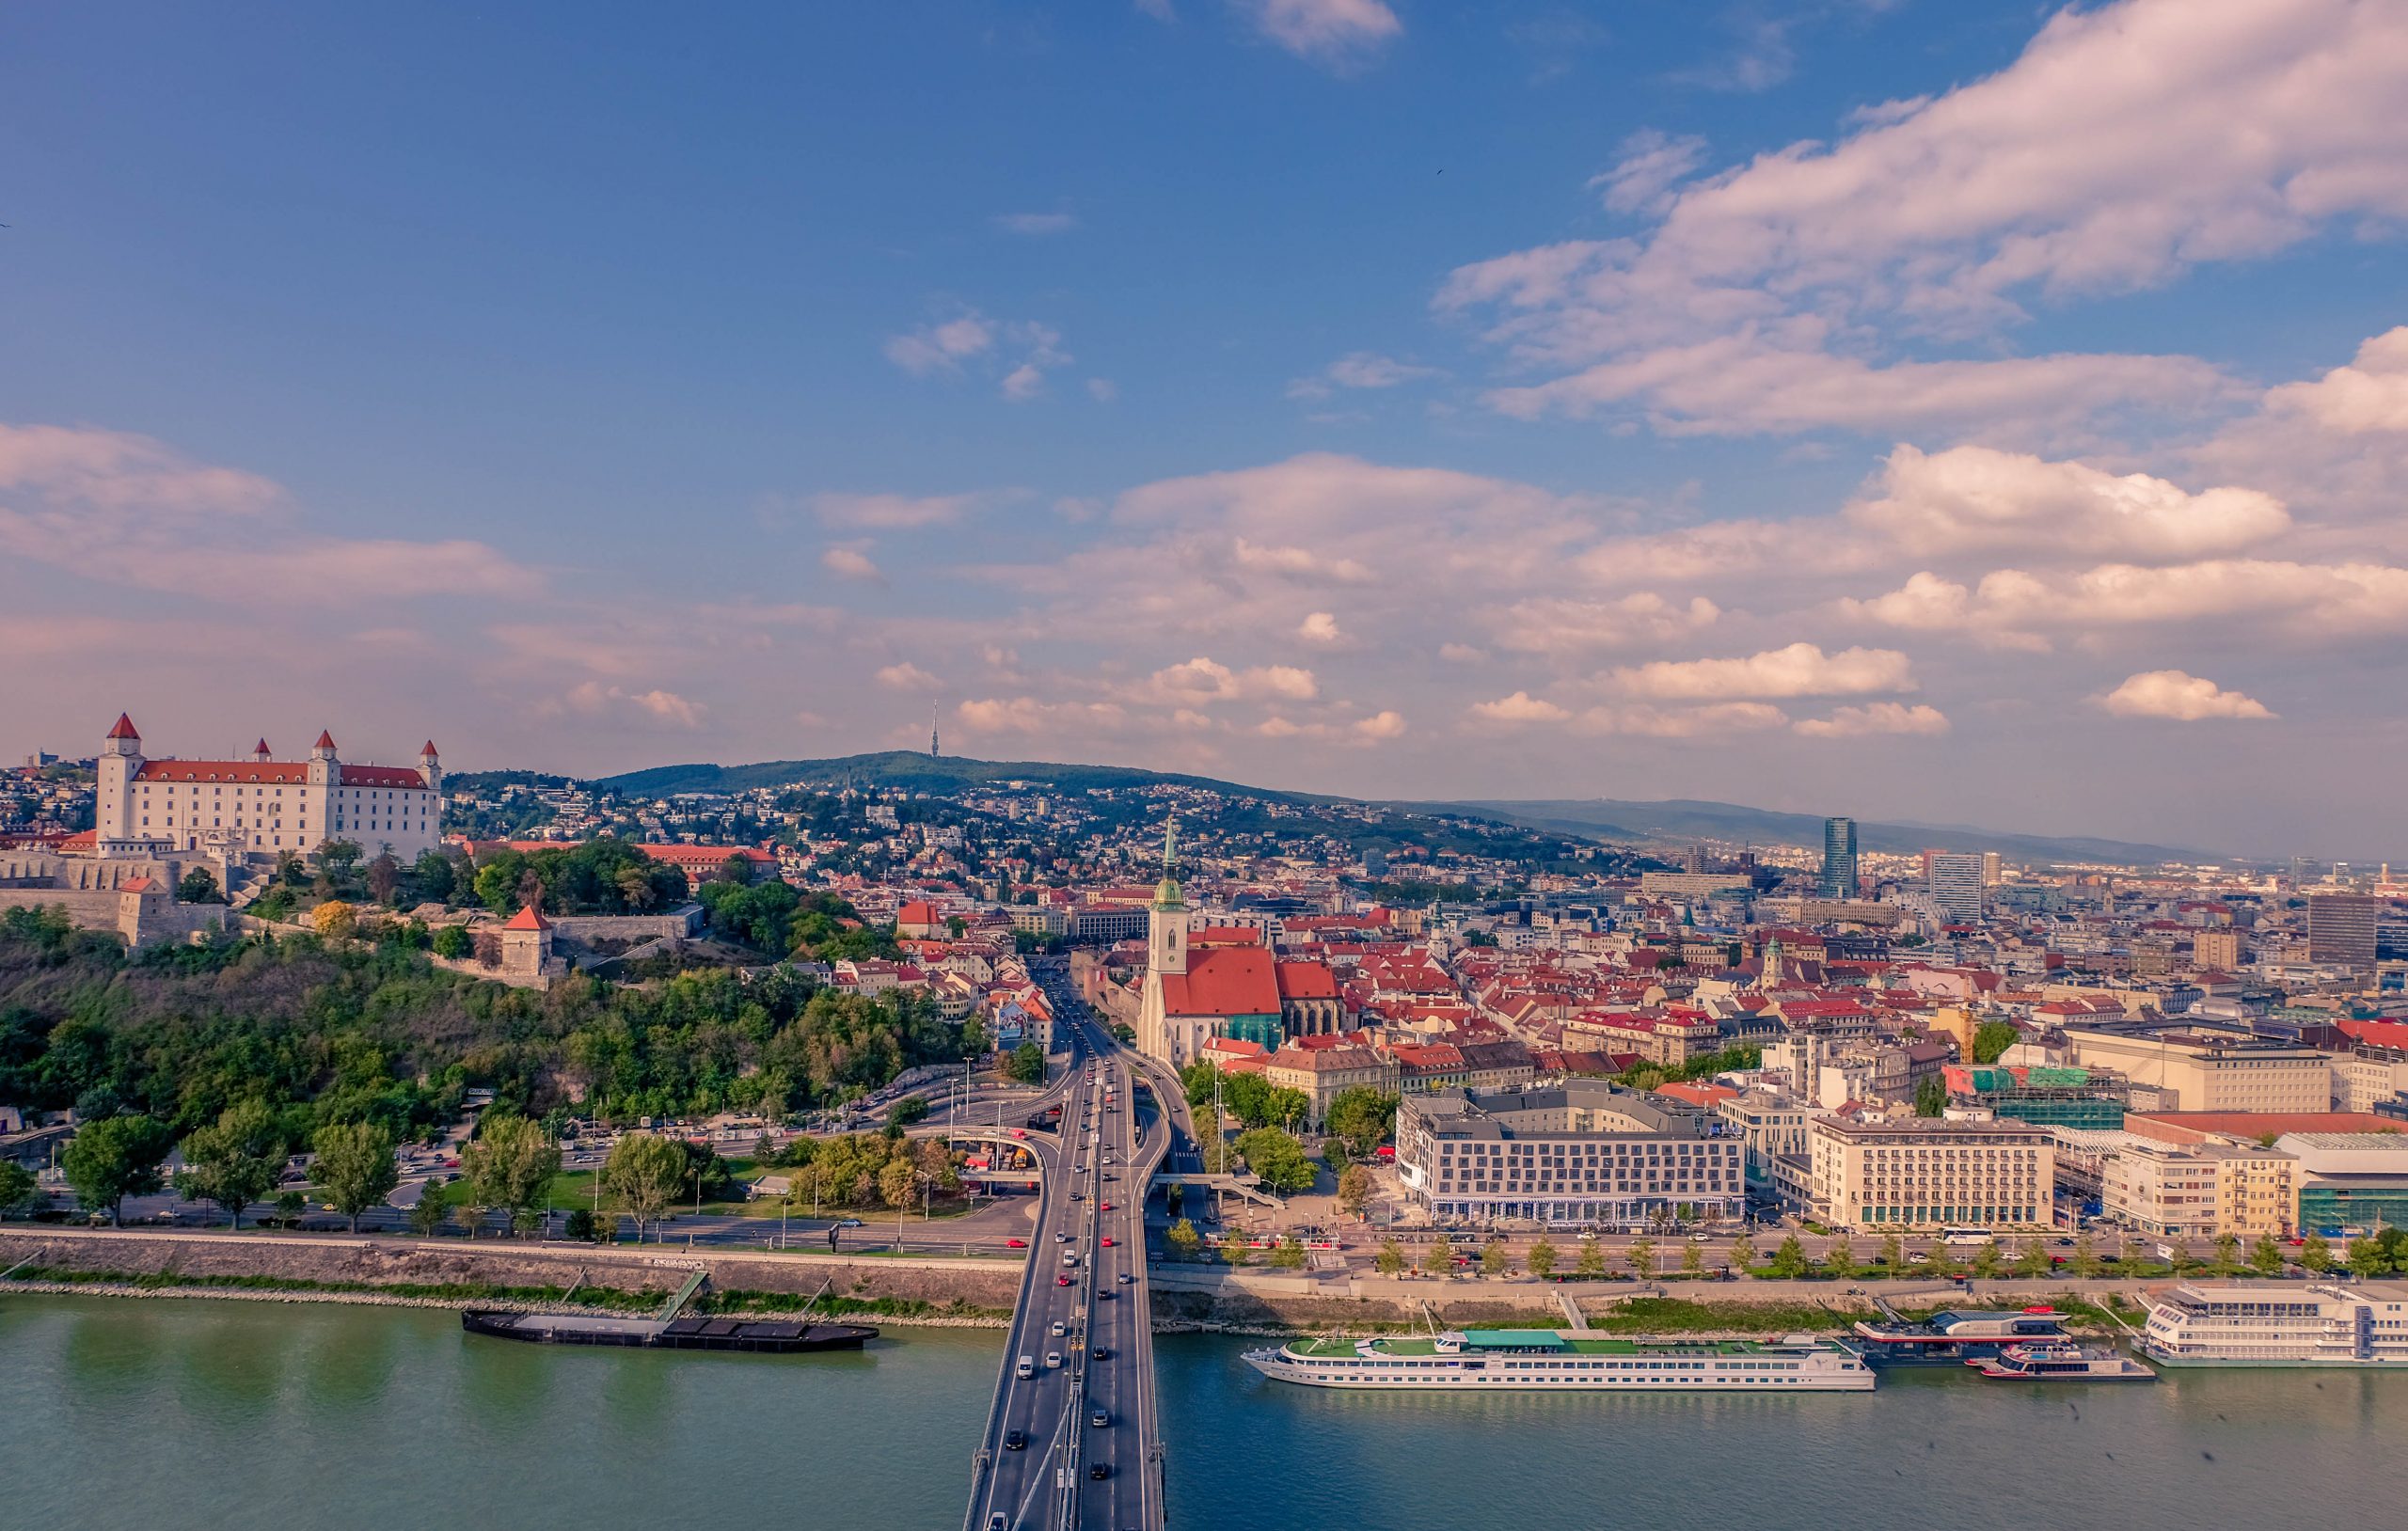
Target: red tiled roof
[
  {"x": 1222, "y": 981},
  {"x": 325, "y": 740},
  {"x": 382, "y": 776},
  {"x": 528, "y": 918},
  {"x": 1225, "y": 936},
  {"x": 1305, "y": 980},
  {"x": 124, "y": 729},
  {"x": 220, "y": 770}
]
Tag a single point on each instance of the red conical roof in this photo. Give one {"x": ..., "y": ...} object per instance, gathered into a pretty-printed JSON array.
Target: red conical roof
[
  {"x": 125, "y": 728},
  {"x": 259, "y": 749},
  {"x": 325, "y": 740},
  {"x": 427, "y": 749},
  {"x": 528, "y": 918}
]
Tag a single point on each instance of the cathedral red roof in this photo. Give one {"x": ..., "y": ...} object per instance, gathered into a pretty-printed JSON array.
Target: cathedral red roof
[{"x": 1222, "y": 981}]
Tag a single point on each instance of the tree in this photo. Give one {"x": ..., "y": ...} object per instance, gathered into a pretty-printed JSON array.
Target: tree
[
  {"x": 911, "y": 1108},
  {"x": 510, "y": 1165},
  {"x": 427, "y": 1213},
  {"x": 1987, "y": 1259},
  {"x": 1590, "y": 1266},
  {"x": 436, "y": 876},
  {"x": 1839, "y": 1257},
  {"x": 1495, "y": 1259},
  {"x": 1788, "y": 1261},
  {"x": 2180, "y": 1260},
  {"x": 645, "y": 1172},
  {"x": 1541, "y": 1260},
  {"x": 1390, "y": 1260},
  {"x": 1743, "y": 1254},
  {"x": 1363, "y": 1116},
  {"x": 235, "y": 1161},
  {"x": 898, "y": 1183},
  {"x": 198, "y": 887},
  {"x": 2034, "y": 1261},
  {"x": 1277, "y": 1159},
  {"x": 453, "y": 942},
  {"x": 1931, "y": 1097},
  {"x": 580, "y": 1226},
  {"x": 2266, "y": 1255},
  {"x": 1183, "y": 1238},
  {"x": 1353, "y": 1189},
  {"x": 2316, "y": 1254},
  {"x": 338, "y": 856},
  {"x": 2366, "y": 1259},
  {"x": 1992, "y": 1039},
  {"x": 1233, "y": 1249},
  {"x": 1288, "y": 1254},
  {"x": 1026, "y": 1063},
  {"x": 2085, "y": 1257},
  {"x": 355, "y": 1166},
  {"x": 334, "y": 918},
  {"x": 1198, "y": 1080},
  {"x": 1642, "y": 1258},
  {"x": 112, "y": 1160},
  {"x": 384, "y": 876},
  {"x": 17, "y": 1186},
  {"x": 1692, "y": 1258},
  {"x": 2228, "y": 1255},
  {"x": 1893, "y": 1255}
]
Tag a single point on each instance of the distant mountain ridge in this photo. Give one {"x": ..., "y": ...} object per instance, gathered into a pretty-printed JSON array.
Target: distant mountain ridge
[
  {"x": 1597, "y": 818},
  {"x": 1684, "y": 818}
]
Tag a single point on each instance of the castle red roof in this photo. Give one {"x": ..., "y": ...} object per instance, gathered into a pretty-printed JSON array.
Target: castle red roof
[
  {"x": 528, "y": 918},
  {"x": 228, "y": 770},
  {"x": 325, "y": 740},
  {"x": 124, "y": 729},
  {"x": 261, "y": 748}
]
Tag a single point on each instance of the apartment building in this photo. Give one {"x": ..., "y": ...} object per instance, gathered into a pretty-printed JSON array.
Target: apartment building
[
  {"x": 2208, "y": 1070},
  {"x": 2199, "y": 1190}
]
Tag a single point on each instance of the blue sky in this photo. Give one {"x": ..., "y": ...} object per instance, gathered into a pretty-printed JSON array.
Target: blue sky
[{"x": 1953, "y": 412}]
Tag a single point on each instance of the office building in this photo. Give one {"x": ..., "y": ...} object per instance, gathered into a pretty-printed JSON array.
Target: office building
[
  {"x": 2340, "y": 928},
  {"x": 1839, "y": 859},
  {"x": 1954, "y": 882},
  {"x": 2209, "y": 1071}
]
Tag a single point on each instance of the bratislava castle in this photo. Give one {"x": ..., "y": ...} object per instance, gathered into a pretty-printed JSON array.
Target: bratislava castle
[{"x": 152, "y": 807}]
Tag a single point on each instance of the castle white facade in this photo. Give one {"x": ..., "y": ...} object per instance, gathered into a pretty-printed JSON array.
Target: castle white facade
[{"x": 263, "y": 805}]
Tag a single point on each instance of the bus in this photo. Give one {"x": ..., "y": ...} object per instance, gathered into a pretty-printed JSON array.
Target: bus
[{"x": 1965, "y": 1238}]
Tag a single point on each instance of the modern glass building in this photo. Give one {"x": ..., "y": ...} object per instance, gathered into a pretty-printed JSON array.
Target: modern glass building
[{"x": 1839, "y": 859}]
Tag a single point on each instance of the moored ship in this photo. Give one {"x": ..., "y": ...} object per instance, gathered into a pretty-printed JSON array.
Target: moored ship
[
  {"x": 1552, "y": 1360},
  {"x": 2060, "y": 1360},
  {"x": 1952, "y": 1336}
]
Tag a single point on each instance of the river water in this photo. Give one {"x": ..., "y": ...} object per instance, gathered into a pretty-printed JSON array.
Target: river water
[{"x": 165, "y": 1415}]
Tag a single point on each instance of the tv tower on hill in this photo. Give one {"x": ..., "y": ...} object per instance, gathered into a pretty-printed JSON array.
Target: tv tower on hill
[{"x": 932, "y": 731}]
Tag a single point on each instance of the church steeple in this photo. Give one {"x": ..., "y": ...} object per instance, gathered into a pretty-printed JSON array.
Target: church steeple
[{"x": 1167, "y": 894}]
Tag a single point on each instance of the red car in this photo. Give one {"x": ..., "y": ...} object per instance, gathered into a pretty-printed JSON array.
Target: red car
[
  {"x": 1015, "y": 1243},
  {"x": 1107, "y": 1207},
  {"x": 1061, "y": 1281},
  {"x": 1107, "y": 1243}
]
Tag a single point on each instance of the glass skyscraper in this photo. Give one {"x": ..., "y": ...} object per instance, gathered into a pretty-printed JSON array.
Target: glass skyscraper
[{"x": 1839, "y": 859}]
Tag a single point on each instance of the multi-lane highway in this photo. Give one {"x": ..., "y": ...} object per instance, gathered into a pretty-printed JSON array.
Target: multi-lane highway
[{"x": 1071, "y": 1440}]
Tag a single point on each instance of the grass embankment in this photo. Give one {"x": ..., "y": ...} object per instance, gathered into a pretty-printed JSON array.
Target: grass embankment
[
  {"x": 573, "y": 1190},
  {"x": 463, "y": 1293}
]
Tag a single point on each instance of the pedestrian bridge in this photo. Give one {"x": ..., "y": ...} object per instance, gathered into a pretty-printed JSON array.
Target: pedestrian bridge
[{"x": 1232, "y": 1185}]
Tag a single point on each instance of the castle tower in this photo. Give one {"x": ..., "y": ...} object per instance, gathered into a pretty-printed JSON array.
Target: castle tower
[
  {"x": 120, "y": 761},
  {"x": 430, "y": 766},
  {"x": 260, "y": 754},
  {"x": 325, "y": 770}
]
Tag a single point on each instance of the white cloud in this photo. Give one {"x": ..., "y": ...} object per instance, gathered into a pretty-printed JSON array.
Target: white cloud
[
  {"x": 1379, "y": 727},
  {"x": 907, "y": 676},
  {"x": 2332, "y": 601},
  {"x": 1160, "y": 10},
  {"x": 851, "y": 562},
  {"x": 1800, "y": 670},
  {"x": 942, "y": 347},
  {"x": 1462, "y": 654},
  {"x": 1028, "y": 715},
  {"x": 2179, "y": 696},
  {"x": 1320, "y": 627},
  {"x": 1567, "y": 625},
  {"x": 1650, "y": 164},
  {"x": 1652, "y": 722},
  {"x": 1973, "y": 499},
  {"x": 1103, "y": 389},
  {"x": 1874, "y": 718},
  {"x": 1023, "y": 383},
  {"x": 593, "y": 699},
  {"x": 1200, "y": 681},
  {"x": 1297, "y": 562},
  {"x": 2129, "y": 143},
  {"x": 1360, "y": 370},
  {"x": 1521, "y": 707},
  {"x": 1037, "y": 225},
  {"x": 895, "y": 512},
  {"x": 1329, "y": 31},
  {"x": 2369, "y": 395}
]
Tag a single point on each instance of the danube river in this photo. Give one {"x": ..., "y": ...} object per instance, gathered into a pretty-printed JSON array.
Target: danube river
[{"x": 165, "y": 1415}]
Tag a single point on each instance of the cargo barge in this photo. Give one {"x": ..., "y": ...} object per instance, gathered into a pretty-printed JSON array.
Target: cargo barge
[{"x": 760, "y": 1336}]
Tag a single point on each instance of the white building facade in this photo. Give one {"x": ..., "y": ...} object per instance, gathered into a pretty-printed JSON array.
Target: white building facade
[{"x": 263, "y": 805}]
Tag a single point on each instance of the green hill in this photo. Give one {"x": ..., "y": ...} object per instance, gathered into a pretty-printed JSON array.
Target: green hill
[{"x": 914, "y": 771}]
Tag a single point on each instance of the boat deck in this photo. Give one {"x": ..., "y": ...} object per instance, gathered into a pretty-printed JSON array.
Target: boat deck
[{"x": 1569, "y": 1345}]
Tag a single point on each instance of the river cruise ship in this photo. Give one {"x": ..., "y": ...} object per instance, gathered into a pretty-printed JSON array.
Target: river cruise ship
[
  {"x": 2279, "y": 1323},
  {"x": 1553, "y": 1360},
  {"x": 2060, "y": 1360}
]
